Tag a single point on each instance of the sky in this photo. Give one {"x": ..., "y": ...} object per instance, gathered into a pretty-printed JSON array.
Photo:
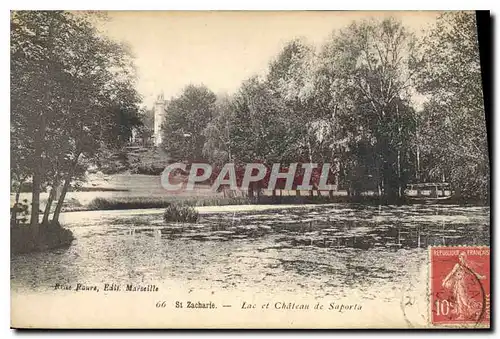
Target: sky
[{"x": 221, "y": 49}]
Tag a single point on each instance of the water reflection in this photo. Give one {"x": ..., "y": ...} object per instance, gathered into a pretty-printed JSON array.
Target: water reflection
[{"x": 319, "y": 250}]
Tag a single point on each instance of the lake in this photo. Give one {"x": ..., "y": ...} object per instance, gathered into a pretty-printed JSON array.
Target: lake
[{"x": 315, "y": 250}]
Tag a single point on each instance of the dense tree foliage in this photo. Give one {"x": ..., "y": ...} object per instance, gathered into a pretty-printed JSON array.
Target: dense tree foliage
[
  {"x": 72, "y": 94},
  {"x": 355, "y": 103},
  {"x": 352, "y": 104},
  {"x": 382, "y": 107},
  {"x": 453, "y": 130},
  {"x": 188, "y": 116}
]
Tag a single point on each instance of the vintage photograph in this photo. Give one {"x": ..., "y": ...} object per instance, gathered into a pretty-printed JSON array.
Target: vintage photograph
[{"x": 248, "y": 169}]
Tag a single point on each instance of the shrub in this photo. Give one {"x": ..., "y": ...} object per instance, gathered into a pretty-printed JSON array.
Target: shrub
[
  {"x": 100, "y": 204},
  {"x": 50, "y": 236},
  {"x": 177, "y": 213},
  {"x": 147, "y": 169},
  {"x": 126, "y": 203}
]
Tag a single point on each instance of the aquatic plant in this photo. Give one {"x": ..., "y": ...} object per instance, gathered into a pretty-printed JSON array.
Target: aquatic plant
[{"x": 178, "y": 213}]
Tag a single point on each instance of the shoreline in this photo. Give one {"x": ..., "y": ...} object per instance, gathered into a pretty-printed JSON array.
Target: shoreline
[
  {"x": 123, "y": 191},
  {"x": 319, "y": 202},
  {"x": 75, "y": 220},
  {"x": 207, "y": 210},
  {"x": 265, "y": 206}
]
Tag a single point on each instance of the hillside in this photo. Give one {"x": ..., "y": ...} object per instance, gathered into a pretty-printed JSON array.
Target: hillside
[{"x": 135, "y": 159}]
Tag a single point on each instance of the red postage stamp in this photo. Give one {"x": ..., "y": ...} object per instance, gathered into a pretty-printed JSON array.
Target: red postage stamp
[{"x": 460, "y": 285}]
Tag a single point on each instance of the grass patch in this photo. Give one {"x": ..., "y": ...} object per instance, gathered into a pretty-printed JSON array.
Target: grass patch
[
  {"x": 125, "y": 203},
  {"x": 121, "y": 203},
  {"x": 178, "y": 213},
  {"x": 97, "y": 189}
]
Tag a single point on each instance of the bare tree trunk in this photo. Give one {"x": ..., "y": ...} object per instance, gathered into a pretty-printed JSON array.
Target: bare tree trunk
[
  {"x": 67, "y": 181},
  {"x": 309, "y": 152},
  {"x": 57, "y": 212},
  {"x": 259, "y": 191},
  {"x": 442, "y": 188},
  {"x": 336, "y": 176},
  {"x": 37, "y": 156},
  {"x": 250, "y": 190},
  {"x": 418, "y": 160},
  {"x": 400, "y": 193},
  {"x": 50, "y": 200},
  {"x": 35, "y": 192},
  {"x": 18, "y": 191}
]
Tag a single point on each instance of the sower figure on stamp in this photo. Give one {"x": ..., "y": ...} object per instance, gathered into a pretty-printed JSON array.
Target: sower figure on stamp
[{"x": 456, "y": 281}]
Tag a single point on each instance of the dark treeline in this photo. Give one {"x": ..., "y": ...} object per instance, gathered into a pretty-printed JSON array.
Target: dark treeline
[{"x": 384, "y": 107}]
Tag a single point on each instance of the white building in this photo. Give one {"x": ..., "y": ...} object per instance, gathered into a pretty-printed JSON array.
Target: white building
[
  {"x": 159, "y": 116},
  {"x": 149, "y": 133}
]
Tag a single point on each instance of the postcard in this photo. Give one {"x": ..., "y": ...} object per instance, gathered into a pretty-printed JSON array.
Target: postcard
[{"x": 248, "y": 170}]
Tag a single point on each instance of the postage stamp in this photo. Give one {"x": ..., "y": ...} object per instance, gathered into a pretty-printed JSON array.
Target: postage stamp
[{"x": 460, "y": 285}]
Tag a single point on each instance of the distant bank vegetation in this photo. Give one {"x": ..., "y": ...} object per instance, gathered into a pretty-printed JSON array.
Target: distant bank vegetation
[{"x": 383, "y": 106}]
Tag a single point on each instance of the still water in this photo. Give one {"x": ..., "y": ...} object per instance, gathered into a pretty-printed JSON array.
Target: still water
[{"x": 317, "y": 250}]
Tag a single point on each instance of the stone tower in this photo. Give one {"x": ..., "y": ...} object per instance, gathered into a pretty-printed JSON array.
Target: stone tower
[{"x": 159, "y": 115}]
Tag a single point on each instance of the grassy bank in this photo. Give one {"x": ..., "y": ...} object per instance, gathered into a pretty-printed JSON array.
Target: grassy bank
[
  {"x": 134, "y": 191},
  {"x": 49, "y": 237},
  {"x": 120, "y": 203},
  {"x": 156, "y": 201}
]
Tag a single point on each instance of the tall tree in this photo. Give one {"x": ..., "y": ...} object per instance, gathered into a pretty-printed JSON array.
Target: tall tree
[
  {"x": 73, "y": 92},
  {"x": 291, "y": 80},
  {"x": 453, "y": 122},
  {"x": 188, "y": 116},
  {"x": 35, "y": 70},
  {"x": 217, "y": 147},
  {"x": 258, "y": 133},
  {"x": 376, "y": 63}
]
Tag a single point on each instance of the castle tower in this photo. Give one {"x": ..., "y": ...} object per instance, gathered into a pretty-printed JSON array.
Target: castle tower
[{"x": 159, "y": 115}]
